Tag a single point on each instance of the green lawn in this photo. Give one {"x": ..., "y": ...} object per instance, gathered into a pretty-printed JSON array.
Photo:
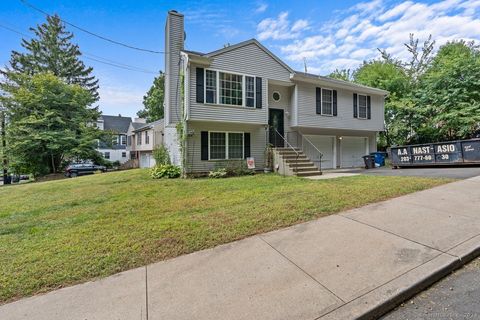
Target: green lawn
[{"x": 58, "y": 233}]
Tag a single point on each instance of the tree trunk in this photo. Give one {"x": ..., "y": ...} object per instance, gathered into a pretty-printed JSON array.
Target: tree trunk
[{"x": 53, "y": 164}]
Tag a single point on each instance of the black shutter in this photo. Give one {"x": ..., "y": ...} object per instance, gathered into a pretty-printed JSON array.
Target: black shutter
[
  {"x": 200, "y": 85},
  {"x": 355, "y": 109},
  {"x": 335, "y": 103},
  {"x": 258, "y": 93},
  {"x": 318, "y": 100},
  {"x": 246, "y": 144},
  {"x": 369, "y": 108},
  {"x": 204, "y": 143}
]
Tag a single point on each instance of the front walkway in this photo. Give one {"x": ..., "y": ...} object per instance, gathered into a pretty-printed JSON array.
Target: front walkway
[{"x": 360, "y": 262}]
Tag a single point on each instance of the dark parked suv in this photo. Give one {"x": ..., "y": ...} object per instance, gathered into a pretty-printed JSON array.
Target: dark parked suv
[{"x": 78, "y": 169}]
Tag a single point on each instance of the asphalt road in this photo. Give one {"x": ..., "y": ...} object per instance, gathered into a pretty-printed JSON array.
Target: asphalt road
[
  {"x": 454, "y": 297},
  {"x": 438, "y": 172}
]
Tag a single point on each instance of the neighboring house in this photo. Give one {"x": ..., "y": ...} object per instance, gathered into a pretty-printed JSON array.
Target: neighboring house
[
  {"x": 118, "y": 126},
  {"x": 236, "y": 100},
  {"x": 142, "y": 138}
]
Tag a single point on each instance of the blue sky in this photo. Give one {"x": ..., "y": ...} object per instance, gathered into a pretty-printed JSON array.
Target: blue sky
[{"x": 327, "y": 34}]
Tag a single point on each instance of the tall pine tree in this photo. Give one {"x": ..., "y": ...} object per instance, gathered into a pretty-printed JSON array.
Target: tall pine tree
[{"x": 51, "y": 51}]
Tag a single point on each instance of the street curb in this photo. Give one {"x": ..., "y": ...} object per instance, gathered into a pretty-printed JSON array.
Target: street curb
[{"x": 383, "y": 299}]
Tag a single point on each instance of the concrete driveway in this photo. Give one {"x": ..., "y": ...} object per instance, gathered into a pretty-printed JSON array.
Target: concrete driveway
[{"x": 438, "y": 172}]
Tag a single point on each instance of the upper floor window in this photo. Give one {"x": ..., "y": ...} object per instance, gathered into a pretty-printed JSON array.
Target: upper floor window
[
  {"x": 115, "y": 140},
  {"x": 123, "y": 140},
  {"x": 230, "y": 88},
  {"x": 147, "y": 138},
  {"x": 129, "y": 140},
  {"x": 211, "y": 86},
  {"x": 250, "y": 91},
  {"x": 327, "y": 102},
  {"x": 362, "y": 106},
  {"x": 139, "y": 138}
]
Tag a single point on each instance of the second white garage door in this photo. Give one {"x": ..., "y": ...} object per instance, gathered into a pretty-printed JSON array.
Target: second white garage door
[
  {"x": 325, "y": 145},
  {"x": 352, "y": 151}
]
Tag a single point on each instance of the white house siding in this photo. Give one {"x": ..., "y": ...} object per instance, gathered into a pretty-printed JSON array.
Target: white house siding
[
  {"x": 250, "y": 60},
  {"x": 307, "y": 116},
  {"x": 115, "y": 154},
  {"x": 194, "y": 162},
  {"x": 172, "y": 144}
]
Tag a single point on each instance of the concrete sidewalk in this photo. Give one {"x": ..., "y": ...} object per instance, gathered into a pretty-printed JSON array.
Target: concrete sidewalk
[{"x": 355, "y": 264}]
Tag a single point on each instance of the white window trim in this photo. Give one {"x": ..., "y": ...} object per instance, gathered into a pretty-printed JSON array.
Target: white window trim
[
  {"x": 358, "y": 106},
  {"x": 217, "y": 91},
  {"x": 321, "y": 102},
  {"x": 226, "y": 145},
  {"x": 279, "y": 96}
]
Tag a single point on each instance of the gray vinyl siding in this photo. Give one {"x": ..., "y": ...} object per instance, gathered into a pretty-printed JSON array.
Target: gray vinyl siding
[
  {"x": 174, "y": 41},
  {"x": 307, "y": 116},
  {"x": 194, "y": 162},
  {"x": 250, "y": 60}
]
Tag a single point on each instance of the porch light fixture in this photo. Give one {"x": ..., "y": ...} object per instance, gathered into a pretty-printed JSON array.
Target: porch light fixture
[{"x": 340, "y": 138}]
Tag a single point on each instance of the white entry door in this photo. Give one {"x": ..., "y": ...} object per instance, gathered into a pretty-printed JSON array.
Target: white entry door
[
  {"x": 352, "y": 151},
  {"x": 325, "y": 144}
]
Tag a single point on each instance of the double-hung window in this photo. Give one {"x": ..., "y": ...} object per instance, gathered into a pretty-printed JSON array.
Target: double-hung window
[
  {"x": 139, "y": 138},
  {"x": 250, "y": 91},
  {"x": 225, "y": 145},
  {"x": 231, "y": 89},
  {"x": 147, "y": 138},
  {"x": 211, "y": 86},
  {"x": 123, "y": 140},
  {"x": 327, "y": 102},
  {"x": 362, "y": 106}
]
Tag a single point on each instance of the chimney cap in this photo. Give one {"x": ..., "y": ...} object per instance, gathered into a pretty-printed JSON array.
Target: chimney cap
[{"x": 175, "y": 12}]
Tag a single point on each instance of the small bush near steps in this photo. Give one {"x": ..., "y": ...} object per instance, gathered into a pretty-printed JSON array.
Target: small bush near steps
[{"x": 168, "y": 171}]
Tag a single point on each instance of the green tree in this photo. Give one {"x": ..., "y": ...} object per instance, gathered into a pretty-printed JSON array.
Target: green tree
[
  {"x": 51, "y": 51},
  {"x": 341, "y": 74},
  {"x": 49, "y": 122},
  {"x": 450, "y": 92},
  {"x": 153, "y": 100}
]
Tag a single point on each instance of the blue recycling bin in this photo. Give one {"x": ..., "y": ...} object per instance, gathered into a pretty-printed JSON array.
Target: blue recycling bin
[{"x": 379, "y": 158}]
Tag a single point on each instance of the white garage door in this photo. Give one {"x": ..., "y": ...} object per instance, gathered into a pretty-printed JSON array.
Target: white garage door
[
  {"x": 325, "y": 145},
  {"x": 353, "y": 149},
  {"x": 146, "y": 160}
]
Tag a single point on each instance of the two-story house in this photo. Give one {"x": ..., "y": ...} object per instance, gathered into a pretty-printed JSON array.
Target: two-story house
[
  {"x": 118, "y": 126},
  {"x": 235, "y": 101},
  {"x": 142, "y": 138}
]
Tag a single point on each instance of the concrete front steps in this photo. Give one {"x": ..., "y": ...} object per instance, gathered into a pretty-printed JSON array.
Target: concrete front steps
[{"x": 300, "y": 165}]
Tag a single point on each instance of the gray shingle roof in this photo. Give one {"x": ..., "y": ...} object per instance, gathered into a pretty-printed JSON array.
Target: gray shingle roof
[{"x": 117, "y": 124}]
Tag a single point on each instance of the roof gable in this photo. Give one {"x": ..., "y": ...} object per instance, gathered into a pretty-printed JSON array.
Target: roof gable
[
  {"x": 117, "y": 124},
  {"x": 246, "y": 43}
]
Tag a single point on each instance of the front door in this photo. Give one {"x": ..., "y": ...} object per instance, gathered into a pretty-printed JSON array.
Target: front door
[{"x": 275, "y": 122}]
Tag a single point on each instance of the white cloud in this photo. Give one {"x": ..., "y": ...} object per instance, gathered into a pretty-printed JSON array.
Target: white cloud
[
  {"x": 120, "y": 100},
  {"x": 280, "y": 28},
  {"x": 262, "y": 7},
  {"x": 356, "y": 33},
  {"x": 300, "y": 25}
]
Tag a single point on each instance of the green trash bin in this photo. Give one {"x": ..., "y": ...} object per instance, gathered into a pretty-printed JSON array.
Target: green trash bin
[{"x": 369, "y": 161}]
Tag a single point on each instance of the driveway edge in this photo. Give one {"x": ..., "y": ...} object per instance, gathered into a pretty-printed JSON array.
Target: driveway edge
[{"x": 388, "y": 296}]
